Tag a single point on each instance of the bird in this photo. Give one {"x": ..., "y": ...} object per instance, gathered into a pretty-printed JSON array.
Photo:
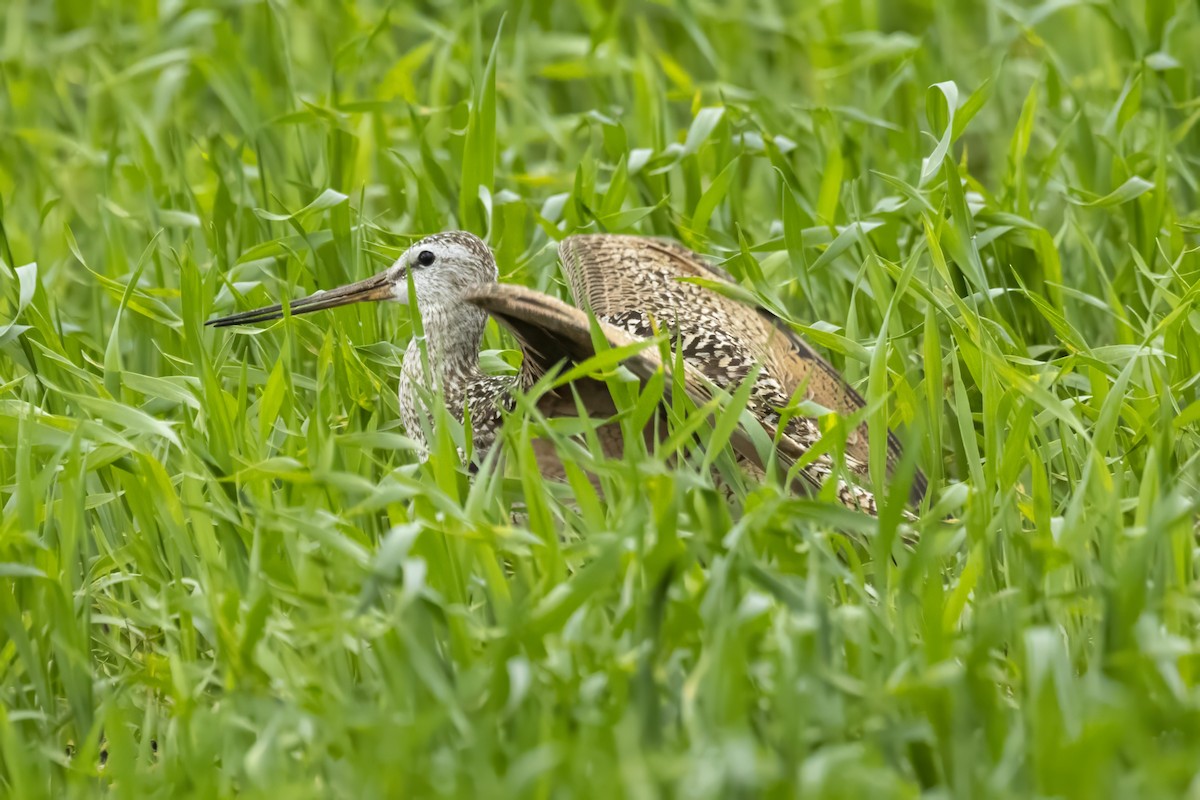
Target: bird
[{"x": 632, "y": 288}]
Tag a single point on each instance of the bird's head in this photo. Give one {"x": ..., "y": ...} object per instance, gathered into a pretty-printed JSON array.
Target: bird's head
[{"x": 441, "y": 267}]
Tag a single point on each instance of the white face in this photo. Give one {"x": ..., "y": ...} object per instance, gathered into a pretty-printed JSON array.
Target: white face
[{"x": 442, "y": 266}]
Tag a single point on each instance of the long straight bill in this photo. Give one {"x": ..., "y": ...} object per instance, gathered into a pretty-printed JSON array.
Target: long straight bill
[{"x": 379, "y": 287}]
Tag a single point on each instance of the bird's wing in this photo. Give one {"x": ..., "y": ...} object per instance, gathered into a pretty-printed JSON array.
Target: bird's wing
[
  {"x": 635, "y": 282},
  {"x": 551, "y": 332}
]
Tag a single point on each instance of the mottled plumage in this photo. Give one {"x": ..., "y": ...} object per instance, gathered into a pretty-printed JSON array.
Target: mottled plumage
[
  {"x": 633, "y": 286},
  {"x": 639, "y": 283},
  {"x": 453, "y": 330}
]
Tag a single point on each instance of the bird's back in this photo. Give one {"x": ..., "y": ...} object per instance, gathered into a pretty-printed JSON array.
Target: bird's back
[{"x": 636, "y": 282}]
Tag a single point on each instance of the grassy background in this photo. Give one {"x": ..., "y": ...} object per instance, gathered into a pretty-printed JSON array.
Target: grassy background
[{"x": 219, "y": 556}]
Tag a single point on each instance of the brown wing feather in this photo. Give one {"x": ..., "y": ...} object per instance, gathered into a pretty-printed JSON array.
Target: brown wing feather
[
  {"x": 619, "y": 277},
  {"x": 548, "y": 329},
  {"x": 550, "y": 332}
]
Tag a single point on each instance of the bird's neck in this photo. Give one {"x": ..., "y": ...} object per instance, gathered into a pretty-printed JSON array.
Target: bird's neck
[
  {"x": 452, "y": 333},
  {"x": 445, "y": 360}
]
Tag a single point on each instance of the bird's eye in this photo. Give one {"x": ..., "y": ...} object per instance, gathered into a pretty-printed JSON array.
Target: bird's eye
[{"x": 425, "y": 258}]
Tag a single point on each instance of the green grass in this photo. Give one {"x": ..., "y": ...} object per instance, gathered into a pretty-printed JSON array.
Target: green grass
[{"x": 220, "y": 559}]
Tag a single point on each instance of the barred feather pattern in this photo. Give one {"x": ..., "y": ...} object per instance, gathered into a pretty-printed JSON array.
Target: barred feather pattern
[
  {"x": 452, "y": 339},
  {"x": 726, "y": 362}
]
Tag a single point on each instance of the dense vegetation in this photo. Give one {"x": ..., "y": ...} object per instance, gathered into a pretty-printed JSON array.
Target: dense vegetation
[{"x": 224, "y": 571}]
